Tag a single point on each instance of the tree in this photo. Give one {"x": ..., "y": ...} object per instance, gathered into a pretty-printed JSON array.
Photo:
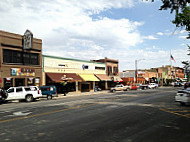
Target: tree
[
  {"x": 182, "y": 8},
  {"x": 183, "y": 19}
]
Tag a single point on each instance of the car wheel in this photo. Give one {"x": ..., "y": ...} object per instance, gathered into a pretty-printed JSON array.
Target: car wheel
[
  {"x": 29, "y": 98},
  {"x": 49, "y": 97},
  {"x": 182, "y": 103},
  {"x": 113, "y": 90}
]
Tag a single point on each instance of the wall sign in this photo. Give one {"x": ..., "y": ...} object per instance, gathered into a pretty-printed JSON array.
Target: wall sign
[
  {"x": 28, "y": 40},
  {"x": 22, "y": 72}
]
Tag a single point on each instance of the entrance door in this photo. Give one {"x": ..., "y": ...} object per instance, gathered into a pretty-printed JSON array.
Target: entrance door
[{"x": 19, "y": 82}]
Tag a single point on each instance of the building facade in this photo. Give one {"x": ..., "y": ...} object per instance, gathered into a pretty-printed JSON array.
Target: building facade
[
  {"x": 73, "y": 74},
  {"x": 112, "y": 70},
  {"x": 20, "y": 60}
]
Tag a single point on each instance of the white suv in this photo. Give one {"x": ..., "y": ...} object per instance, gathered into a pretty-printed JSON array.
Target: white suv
[{"x": 28, "y": 93}]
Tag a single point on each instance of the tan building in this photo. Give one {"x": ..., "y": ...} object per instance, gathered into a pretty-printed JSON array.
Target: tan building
[
  {"x": 20, "y": 59},
  {"x": 74, "y": 74}
]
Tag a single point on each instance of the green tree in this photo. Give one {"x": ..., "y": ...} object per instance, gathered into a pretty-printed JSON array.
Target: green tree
[{"x": 182, "y": 8}]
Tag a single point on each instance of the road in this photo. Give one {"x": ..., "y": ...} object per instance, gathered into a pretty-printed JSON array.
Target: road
[{"x": 130, "y": 116}]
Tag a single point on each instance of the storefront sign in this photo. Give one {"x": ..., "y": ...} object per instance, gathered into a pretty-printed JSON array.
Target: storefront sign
[
  {"x": 22, "y": 72},
  {"x": 28, "y": 40},
  {"x": 65, "y": 78}
]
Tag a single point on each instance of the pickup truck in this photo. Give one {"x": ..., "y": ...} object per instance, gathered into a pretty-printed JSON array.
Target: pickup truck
[
  {"x": 119, "y": 87},
  {"x": 152, "y": 86}
]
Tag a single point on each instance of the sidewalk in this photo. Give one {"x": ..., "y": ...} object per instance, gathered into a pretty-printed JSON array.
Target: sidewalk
[{"x": 73, "y": 94}]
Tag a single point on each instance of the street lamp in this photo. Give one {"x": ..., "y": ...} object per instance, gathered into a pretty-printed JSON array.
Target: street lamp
[{"x": 136, "y": 61}]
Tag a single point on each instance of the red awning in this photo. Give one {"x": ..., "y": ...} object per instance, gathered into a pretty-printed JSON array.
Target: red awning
[
  {"x": 103, "y": 77},
  {"x": 60, "y": 77}
]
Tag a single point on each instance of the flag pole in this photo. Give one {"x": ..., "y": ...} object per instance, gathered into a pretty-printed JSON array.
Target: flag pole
[{"x": 170, "y": 65}]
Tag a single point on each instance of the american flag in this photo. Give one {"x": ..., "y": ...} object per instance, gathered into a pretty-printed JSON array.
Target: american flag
[{"x": 172, "y": 58}]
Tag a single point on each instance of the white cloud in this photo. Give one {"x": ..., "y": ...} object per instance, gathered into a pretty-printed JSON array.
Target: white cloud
[
  {"x": 150, "y": 37},
  {"x": 67, "y": 29},
  {"x": 183, "y": 37},
  {"x": 160, "y": 33}
]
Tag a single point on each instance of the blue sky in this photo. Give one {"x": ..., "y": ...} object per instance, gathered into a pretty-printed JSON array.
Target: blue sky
[{"x": 126, "y": 30}]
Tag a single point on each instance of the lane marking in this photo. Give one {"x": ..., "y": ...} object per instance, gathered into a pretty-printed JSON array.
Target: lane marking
[
  {"x": 173, "y": 112},
  {"x": 55, "y": 111},
  {"x": 45, "y": 113}
]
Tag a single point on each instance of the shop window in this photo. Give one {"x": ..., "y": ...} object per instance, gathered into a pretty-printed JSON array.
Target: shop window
[{"x": 8, "y": 82}]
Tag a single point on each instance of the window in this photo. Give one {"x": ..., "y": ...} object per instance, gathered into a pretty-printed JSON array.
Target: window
[
  {"x": 100, "y": 68},
  {"x": 10, "y": 90},
  {"x": 85, "y": 67},
  {"x": 27, "y": 89},
  {"x": 18, "y": 57},
  {"x": 115, "y": 70},
  {"x": 109, "y": 68},
  {"x": 18, "y": 89}
]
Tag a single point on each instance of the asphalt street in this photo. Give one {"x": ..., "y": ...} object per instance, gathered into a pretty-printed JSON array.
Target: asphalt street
[{"x": 128, "y": 116}]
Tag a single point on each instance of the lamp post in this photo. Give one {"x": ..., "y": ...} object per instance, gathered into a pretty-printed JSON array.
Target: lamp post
[{"x": 136, "y": 61}]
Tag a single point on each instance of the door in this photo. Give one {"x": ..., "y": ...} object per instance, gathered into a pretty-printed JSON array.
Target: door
[
  {"x": 19, "y": 94},
  {"x": 19, "y": 82}
]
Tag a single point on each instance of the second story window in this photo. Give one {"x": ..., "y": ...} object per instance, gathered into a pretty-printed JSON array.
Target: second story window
[
  {"x": 109, "y": 70},
  {"x": 18, "y": 57}
]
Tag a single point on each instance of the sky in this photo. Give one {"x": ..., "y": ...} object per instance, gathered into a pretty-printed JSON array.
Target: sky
[{"x": 126, "y": 30}]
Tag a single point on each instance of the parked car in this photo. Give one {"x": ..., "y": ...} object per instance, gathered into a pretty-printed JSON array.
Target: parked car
[
  {"x": 3, "y": 95},
  {"x": 178, "y": 84},
  {"x": 152, "y": 86},
  {"x": 144, "y": 86},
  {"x": 28, "y": 93},
  {"x": 119, "y": 87},
  {"x": 48, "y": 91},
  {"x": 133, "y": 87},
  {"x": 183, "y": 96},
  {"x": 186, "y": 85}
]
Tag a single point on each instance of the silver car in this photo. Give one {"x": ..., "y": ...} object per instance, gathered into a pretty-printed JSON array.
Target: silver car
[{"x": 183, "y": 96}]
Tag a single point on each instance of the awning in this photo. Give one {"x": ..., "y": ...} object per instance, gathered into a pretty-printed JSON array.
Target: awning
[
  {"x": 116, "y": 79},
  {"x": 89, "y": 77},
  {"x": 103, "y": 77},
  {"x": 60, "y": 77}
]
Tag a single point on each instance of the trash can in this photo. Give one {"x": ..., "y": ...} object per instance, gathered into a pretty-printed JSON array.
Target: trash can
[{"x": 95, "y": 89}]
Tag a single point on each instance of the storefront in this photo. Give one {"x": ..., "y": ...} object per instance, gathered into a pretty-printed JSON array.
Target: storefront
[
  {"x": 89, "y": 82},
  {"x": 104, "y": 79},
  {"x": 85, "y": 70},
  {"x": 64, "y": 82},
  {"x": 21, "y": 60}
]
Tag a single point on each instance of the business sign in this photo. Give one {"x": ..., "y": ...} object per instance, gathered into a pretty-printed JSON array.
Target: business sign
[
  {"x": 22, "y": 72},
  {"x": 28, "y": 40}
]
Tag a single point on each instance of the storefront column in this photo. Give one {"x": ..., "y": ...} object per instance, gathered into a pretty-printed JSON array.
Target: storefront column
[
  {"x": 77, "y": 86},
  {"x": 94, "y": 84},
  {"x": 106, "y": 85}
]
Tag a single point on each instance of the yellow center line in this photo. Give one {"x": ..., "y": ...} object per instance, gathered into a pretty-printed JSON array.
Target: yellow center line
[
  {"x": 45, "y": 113},
  {"x": 55, "y": 111},
  {"x": 187, "y": 116}
]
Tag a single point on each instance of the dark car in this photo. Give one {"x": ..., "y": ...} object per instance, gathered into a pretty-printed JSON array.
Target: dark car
[
  {"x": 3, "y": 95},
  {"x": 48, "y": 91},
  {"x": 177, "y": 84},
  {"x": 186, "y": 85}
]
